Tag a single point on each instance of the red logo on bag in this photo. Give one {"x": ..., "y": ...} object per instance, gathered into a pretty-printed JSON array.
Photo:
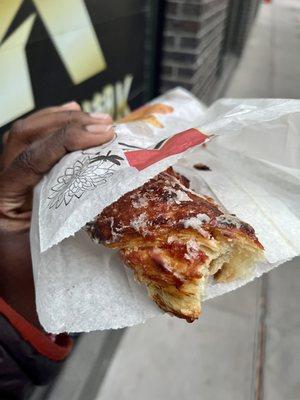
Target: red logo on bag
[{"x": 178, "y": 143}]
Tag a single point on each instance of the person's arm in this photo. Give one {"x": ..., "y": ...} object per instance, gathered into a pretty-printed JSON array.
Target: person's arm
[
  {"x": 28, "y": 356},
  {"x": 31, "y": 148}
]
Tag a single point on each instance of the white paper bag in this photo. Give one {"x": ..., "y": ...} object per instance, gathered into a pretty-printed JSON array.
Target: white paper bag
[{"x": 254, "y": 156}]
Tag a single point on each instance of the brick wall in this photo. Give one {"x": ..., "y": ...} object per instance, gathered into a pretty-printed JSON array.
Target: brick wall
[
  {"x": 194, "y": 41},
  {"x": 192, "y": 44}
]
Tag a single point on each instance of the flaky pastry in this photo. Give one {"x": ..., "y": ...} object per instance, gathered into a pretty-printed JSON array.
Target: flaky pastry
[
  {"x": 175, "y": 240},
  {"x": 147, "y": 114}
]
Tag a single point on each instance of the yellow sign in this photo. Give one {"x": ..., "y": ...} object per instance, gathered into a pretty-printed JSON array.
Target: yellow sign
[
  {"x": 16, "y": 96},
  {"x": 69, "y": 26},
  {"x": 71, "y": 30},
  {"x": 112, "y": 99}
]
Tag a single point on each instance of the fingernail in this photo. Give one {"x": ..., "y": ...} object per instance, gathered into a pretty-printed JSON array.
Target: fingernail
[
  {"x": 98, "y": 128},
  {"x": 99, "y": 115},
  {"x": 71, "y": 104}
]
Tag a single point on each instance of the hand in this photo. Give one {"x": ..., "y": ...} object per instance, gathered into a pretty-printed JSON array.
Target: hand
[{"x": 31, "y": 147}]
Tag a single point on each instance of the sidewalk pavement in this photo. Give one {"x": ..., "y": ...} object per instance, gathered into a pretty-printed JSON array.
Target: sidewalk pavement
[{"x": 246, "y": 345}]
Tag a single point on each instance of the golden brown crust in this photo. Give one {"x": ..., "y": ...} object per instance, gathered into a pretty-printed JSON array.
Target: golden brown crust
[
  {"x": 164, "y": 203},
  {"x": 161, "y": 304},
  {"x": 165, "y": 263},
  {"x": 174, "y": 239},
  {"x": 147, "y": 114}
]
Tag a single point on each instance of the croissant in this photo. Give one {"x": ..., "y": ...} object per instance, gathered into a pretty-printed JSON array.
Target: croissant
[{"x": 175, "y": 240}]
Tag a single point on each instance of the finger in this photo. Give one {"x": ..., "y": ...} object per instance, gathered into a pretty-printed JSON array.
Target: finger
[
  {"x": 38, "y": 158},
  {"x": 72, "y": 105},
  {"x": 17, "y": 146},
  {"x": 26, "y": 131}
]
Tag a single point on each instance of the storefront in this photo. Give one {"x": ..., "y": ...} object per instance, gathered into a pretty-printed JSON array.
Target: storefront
[{"x": 101, "y": 54}]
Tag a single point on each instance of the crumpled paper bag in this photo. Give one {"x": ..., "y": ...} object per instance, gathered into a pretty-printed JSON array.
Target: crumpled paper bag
[{"x": 253, "y": 151}]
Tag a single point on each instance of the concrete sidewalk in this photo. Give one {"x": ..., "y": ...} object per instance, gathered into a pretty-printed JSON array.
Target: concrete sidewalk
[
  {"x": 246, "y": 345},
  {"x": 270, "y": 66}
]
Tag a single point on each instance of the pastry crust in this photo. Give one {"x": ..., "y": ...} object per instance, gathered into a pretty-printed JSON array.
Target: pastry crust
[
  {"x": 174, "y": 240},
  {"x": 147, "y": 114}
]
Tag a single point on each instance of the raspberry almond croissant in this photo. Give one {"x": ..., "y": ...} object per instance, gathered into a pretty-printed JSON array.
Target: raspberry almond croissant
[{"x": 175, "y": 240}]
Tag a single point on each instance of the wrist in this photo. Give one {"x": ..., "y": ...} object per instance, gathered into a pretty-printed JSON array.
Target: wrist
[{"x": 16, "y": 284}]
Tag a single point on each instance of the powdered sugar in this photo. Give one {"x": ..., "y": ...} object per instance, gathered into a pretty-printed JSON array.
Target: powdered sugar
[
  {"x": 181, "y": 196},
  {"x": 140, "y": 223},
  {"x": 115, "y": 235},
  {"x": 140, "y": 202},
  {"x": 192, "y": 248},
  {"x": 176, "y": 196},
  {"x": 197, "y": 222},
  {"x": 172, "y": 239}
]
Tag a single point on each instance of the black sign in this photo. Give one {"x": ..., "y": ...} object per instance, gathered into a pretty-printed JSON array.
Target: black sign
[{"x": 95, "y": 52}]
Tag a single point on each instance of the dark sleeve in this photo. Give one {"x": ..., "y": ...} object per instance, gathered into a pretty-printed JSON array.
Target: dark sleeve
[{"x": 27, "y": 356}]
